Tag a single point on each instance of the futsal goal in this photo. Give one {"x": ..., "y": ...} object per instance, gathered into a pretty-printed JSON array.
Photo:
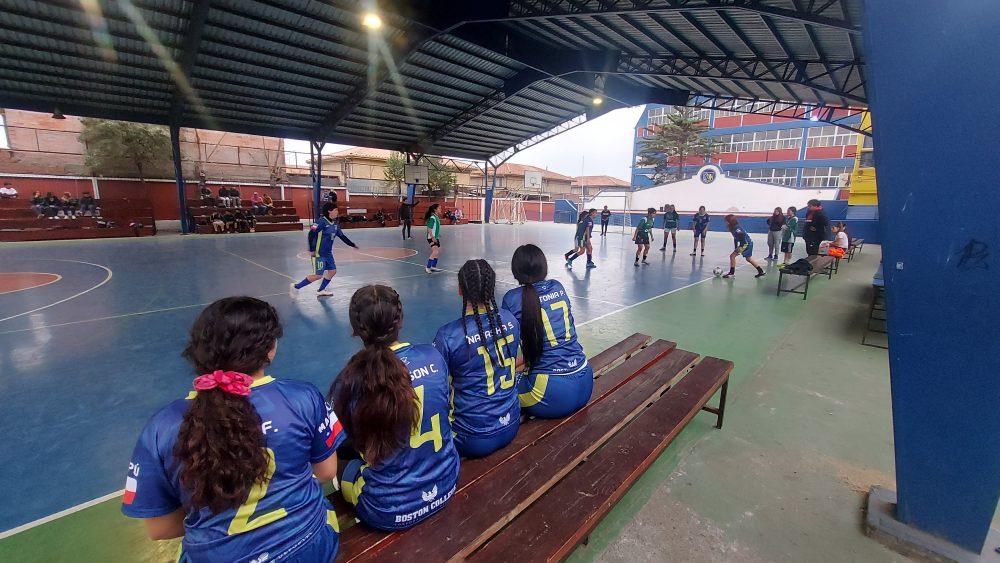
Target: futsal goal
[{"x": 618, "y": 204}]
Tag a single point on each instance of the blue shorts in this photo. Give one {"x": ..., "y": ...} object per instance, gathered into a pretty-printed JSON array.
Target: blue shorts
[
  {"x": 700, "y": 233},
  {"x": 746, "y": 251},
  {"x": 555, "y": 396},
  {"x": 322, "y": 545},
  {"x": 351, "y": 487},
  {"x": 322, "y": 263},
  {"x": 481, "y": 446}
]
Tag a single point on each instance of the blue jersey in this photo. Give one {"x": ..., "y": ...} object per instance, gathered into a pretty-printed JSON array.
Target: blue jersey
[
  {"x": 419, "y": 478},
  {"x": 327, "y": 230},
  {"x": 482, "y": 373},
  {"x": 561, "y": 352},
  {"x": 280, "y": 515},
  {"x": 740, "y": 238},
  {"x": 584, "y": 228},
  {"x": 701, "y": 222}
]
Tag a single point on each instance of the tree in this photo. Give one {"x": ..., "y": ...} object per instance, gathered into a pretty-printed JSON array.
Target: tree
[
  {"x": 394, "y": 170},
  {"x": 440, "y": 177},
  {"x": 678, "y": 138},
  {"x": 112, "y": 145}
]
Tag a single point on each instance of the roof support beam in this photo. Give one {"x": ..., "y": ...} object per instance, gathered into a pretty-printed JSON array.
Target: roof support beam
[{"x": 189, "y": 53}]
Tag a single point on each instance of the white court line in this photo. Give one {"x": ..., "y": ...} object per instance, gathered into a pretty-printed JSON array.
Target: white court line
[
  {"x": 257, "y": 264},
  {"x": 106, "y": 280},
  {"x": 60, "y": 514},
  {"x": 58, "y": 277}
]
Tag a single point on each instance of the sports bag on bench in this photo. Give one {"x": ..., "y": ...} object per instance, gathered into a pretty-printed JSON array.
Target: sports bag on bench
[{"x": 800, "y": 266}]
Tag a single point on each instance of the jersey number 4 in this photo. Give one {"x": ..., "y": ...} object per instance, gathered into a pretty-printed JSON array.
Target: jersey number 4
[
  {"x": 418, "y": 438},
  {"x": 242, "y": 522},
  {"x": 506, "y": 365}
]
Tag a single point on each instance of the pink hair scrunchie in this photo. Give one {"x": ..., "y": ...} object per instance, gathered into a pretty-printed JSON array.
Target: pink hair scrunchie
[{"x": 232, "y": 382}]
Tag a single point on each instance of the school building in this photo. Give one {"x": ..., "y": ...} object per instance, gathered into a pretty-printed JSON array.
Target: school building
[{"x": 764, "y": 148}]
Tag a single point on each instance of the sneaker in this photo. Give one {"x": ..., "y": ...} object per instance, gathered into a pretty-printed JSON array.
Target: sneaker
[
  {"x": 428, "y": 270},
  {"x": 636, "y": 264},
  {"x": 591, "y": 265},
  {"x": 695, "y": 254},
  {"x": 675, "y": 249},
  {"x": 436, "y": 269},
  {"x": 730, "y": 275},
  {"x": 569, "y": 264},
  {"x": 644, "y": 262},
  {"x": 324, "y": 293},
  {"x": 760, "y": 274},
  {"x": 664, "y": 249},
  {"x": 703, "y": 254},
  {"x": 293, "y": 291}
]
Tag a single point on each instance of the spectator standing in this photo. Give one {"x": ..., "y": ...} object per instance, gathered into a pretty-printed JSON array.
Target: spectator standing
[
  {"x": 817, "y": 225},
  {"x": 605, "y": 219},
  {"x": 8, "y": 191},
  {"x": 406, "y": 217},
  {"x": 788, "y": 235},
  {"x": 258, "y": 204},
  {"x": 775, "y": 226},
  {"x": 88, "y": 205}
]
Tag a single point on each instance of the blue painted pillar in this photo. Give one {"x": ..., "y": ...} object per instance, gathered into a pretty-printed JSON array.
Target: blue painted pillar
[
  {"x": 934, "y": 150},
  {"x": 316, "y": 151},
  {"x": 175, "y": 149},
  {"x": 491, "y": 184},
  {"x": 411, "y": 193}
]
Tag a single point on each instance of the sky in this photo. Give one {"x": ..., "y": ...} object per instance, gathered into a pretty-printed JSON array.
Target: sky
[{"x": 602, "y": 146}]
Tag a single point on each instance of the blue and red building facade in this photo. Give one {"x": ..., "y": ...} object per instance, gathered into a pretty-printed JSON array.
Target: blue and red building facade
[{"x": 775, "y": 149}]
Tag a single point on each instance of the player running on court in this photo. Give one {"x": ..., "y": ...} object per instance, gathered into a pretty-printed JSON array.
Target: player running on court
[
  {"x": 324, "y": 266},
  {"x": 744, "y": 247},
  {"x": 643, "y": 235},
  {"x": 394, "y": 400},
  {"x": 670, "y": 221},
  {"x": 558, "y": 380},
  {"x": 481, "y": 349},
  {"x": 700, "y": 222},
  {"x": 433, "y": 237},
  {"x": 582, "y": 242},
  {"x": 235, "y": 468}
]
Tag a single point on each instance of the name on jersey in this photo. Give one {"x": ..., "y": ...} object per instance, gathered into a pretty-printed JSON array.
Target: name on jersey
[
  {"x": 474, "y": 338},
  {"x": 423, "y": 371},
  {"x": 422, "y": 511},
  {"x": 553, "y": 295}
]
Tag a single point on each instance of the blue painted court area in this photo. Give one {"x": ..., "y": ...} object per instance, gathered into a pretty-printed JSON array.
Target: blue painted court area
[{"x": 86, "y": 360}]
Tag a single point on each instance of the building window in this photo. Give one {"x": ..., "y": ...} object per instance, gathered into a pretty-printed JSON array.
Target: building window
[
  {"x": 745, "y": 107},
  {"x": 658, "y": 116},
  {"x": 867, "y": 160},
  {"x": 831, "y": 136},
  {"x": 823, "y": 176},
  {"x": 761, "y": 141},
  {"x": 4, "y": 143},
  {"x": 779, "y": 176}
]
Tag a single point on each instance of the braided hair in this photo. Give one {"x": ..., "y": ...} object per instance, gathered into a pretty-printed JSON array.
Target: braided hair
[
  {"x": 478, "y": 281},
  {"x": 373, "y": 395}
]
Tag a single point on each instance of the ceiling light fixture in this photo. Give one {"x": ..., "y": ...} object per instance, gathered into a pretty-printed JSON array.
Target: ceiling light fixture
[{"x": 371, "y": 21}]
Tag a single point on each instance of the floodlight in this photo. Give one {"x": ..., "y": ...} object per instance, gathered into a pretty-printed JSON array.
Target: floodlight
[{"x": 371, "y": 21}]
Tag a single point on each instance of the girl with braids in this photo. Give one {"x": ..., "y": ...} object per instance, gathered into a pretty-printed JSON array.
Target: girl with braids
[
  {"x": 394, "y": 398},
  {"x": 231, "y": 467},
  {"x": 433, "y": 237},
  {"x": 558, "y": 380},
  {"x": 481, "y": 350}
]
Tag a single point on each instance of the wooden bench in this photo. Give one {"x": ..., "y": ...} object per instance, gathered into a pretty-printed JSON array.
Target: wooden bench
[
  {"x": 821, "y": 265},
  {"x": 539, "y": 497},
  {"x": 876, "y": 310},
  {"x": 855, "y": 246}
]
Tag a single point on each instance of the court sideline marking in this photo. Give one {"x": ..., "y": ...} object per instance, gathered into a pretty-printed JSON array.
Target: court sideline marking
[
  {"x": 110, "y": 496},
  {"x": 286, "y": 276},
  {"x": 106, "y": 280}
]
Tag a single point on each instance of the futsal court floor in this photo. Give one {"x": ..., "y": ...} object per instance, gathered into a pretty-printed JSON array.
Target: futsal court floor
[{"x": 93, "y": 350}]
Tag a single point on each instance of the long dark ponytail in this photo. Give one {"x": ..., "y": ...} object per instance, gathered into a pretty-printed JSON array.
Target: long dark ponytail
[
  {"x": 478, "y": 283},
  {"x": 220, "y": 445},
  {"x": 372, "y": 395},
  {"x": 430, "y": 211},
  {"x": 529, "y": 266}
]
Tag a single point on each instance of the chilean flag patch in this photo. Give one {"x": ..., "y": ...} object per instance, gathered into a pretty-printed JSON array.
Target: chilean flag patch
[
  {"x": 334, "y": 432},
  {"x": 130, "y": 486}
]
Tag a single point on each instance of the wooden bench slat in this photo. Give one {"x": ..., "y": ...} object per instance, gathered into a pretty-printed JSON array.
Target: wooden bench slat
[
  {"x": 618, "y": 353},
  {"x": 479, "y": 511},
  {"x": 551, "y": 529},
  {"x": 358, "y": 539}
]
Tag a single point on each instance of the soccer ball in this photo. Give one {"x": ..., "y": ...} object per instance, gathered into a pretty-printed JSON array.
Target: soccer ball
[{"x": 717, "y": 271}]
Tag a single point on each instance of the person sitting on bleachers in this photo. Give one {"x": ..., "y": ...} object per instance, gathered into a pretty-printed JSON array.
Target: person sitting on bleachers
[
  {"x": 223, "y": 197},
  {"x": 234, "y": 198},
  {"x": 258, "y": 204},
  {"x": 67, "y": 206},
  {"x": 330, "y": 196},
  {"x": 242, "y": 221},
  {"x": 218, "y": 226},
  {"x": 88, "y": 205},
  {"x": 450, "y": 215},
  {"x": 50, "y": 207},
  {"x": 380, "y": 217},
  {"x": 459, "y": 215},
  {"x": 8, "y": 191},
  {"x": 230, "y": 220},
  {"x": 268, "y": 205},
  {"x": 206, "y": 196},
  {"x": 38, "y": 204}
]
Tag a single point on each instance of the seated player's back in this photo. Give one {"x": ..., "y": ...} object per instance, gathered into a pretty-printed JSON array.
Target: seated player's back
[
  {"x": 482, "y": 372},
  {"x": 562, "y": 353},
  {"x": 280, "y": 514},
  {"x": 422, "y": 475}
]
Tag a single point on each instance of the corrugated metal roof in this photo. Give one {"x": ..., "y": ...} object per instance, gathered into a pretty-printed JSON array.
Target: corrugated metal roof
[{"x": 460, "y": 81}]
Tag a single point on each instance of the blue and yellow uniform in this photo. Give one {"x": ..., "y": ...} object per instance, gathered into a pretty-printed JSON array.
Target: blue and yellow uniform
[
  {"x": 562, "y": 381},
  {"x": 286, "y": 518},
  {"x": 701, "y": 225},
  {"x": 743, "y": 242},
  {"x": 486, "y": 410},
  {"x": 420, "y": 478},
  {"x": 323, "y": 256},
  {"x": 584, "y": 230}
]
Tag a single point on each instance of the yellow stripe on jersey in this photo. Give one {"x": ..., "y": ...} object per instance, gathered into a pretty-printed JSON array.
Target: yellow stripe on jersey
[
  {"x": 398, "y": 346},
  {"x": 537, "y": 393},
  {"x": 331, "y": 519},
  {"x": 352, "y": 489}
]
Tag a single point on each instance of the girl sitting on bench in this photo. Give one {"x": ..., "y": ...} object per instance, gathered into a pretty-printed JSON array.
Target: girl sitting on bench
[
  {"x": 394, "y": 399},
  {"x": 481, "y": 350},
  {"x": 558, "y": 380}
]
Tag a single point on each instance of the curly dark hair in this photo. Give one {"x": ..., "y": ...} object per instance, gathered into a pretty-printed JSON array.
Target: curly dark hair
[
  {"x": 373, "y": 395},
  {"x": 220, "y": 445}
]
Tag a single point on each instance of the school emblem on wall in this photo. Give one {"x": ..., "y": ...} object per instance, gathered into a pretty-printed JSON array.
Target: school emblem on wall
[{"x": 708, "y": 174}]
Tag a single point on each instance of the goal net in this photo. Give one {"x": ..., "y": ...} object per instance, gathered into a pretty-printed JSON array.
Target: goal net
[{"x": 618, "y": 205}]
